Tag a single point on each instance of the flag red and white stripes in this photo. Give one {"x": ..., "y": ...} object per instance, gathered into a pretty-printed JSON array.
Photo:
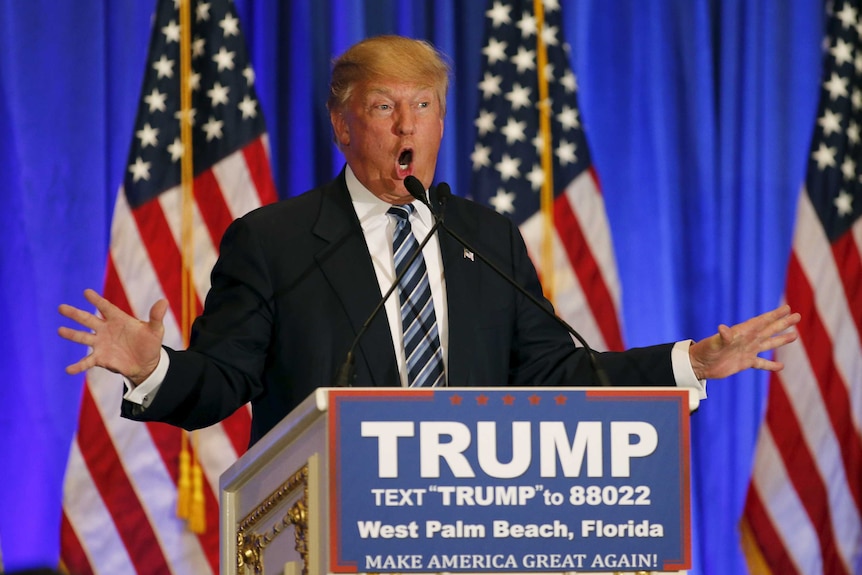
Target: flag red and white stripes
[
  {"x": 120, "y": 491},
  {"x": 581, "y": 270},
  {"x": 803, "y": 512}
]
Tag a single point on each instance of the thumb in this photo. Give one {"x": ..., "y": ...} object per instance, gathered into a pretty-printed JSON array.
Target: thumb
[
  {"x": 157, "y": 313},
  {"x": 726, "y": 333}
]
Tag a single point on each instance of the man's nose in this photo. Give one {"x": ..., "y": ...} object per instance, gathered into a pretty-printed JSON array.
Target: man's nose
[{"x": 405, "y": 121}]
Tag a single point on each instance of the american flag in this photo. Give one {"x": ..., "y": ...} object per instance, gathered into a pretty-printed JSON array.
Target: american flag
[
  {"x": 568, "y": 237},
  {"x": 120, "y": 492},
  {"x": 804, "y": 503}
]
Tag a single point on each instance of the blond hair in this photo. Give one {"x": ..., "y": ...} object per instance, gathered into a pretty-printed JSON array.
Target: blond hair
[{"x": 388, "y": 58}]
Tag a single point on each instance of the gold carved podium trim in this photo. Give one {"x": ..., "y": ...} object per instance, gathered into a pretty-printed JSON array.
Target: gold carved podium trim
[{"x": 250, "y": 544}]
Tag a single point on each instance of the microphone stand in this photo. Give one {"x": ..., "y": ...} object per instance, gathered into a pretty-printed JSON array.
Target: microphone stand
[
  {"x": 347, "y": 373},
  {"x": 417, "y": 190}
]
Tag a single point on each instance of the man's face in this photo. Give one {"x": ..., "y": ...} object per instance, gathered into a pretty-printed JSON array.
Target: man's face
[{"x": 388, "y": 131}]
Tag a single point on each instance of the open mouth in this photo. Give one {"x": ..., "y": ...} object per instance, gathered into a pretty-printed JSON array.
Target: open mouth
[{"x": 405, "y": 158}]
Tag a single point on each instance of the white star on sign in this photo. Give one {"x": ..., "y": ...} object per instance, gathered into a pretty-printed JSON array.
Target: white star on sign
[
  {"x": 230, "y": 25},
  {"x": 213, "y": 129},
  {"x": 495, "y": 51},
  {"x": 569, "y": 82},
  {"x": 198, "y": 46},
  {"x": 156, "y": 100},
  {"x": 842, "y": 52},
  {"x": 248, "y": 107},
  {"x": 824, "y": 156},
  {"x": 568, "y": 118},
  {"x": 853, "y": 132},
  {"x": 527, "y": 25},
  {"x": 848, "y": 168},
  {"x": 140, "y": 170},
  {"x": 844, "y": 203},
  {"x": 481, "y": 156},
  {"x": 490, "y": 85},
  {"x": 836, "y": 86},
  {"x": 148, "y": 136},
  {"x": 524, "y": 60},
  {"x": 508, "y": 167},
  {"x": 499, "y": 14},
  {"x": 203, "y": 11},
  {"x": 536, "y": 177},
  {"x": 519, "y": 96},
  {"x": 248, "y": 73},
  {"x": 176, "y": 149},
  {"x": 218, "y": 94},
  {"x": 224, "y": 59},
  {"x": 514, "y": 131},
  {"x": 566, "y": 153},
  {"x": 503, "y": 202},
  {"x": 171, "y": 32},
  {"x": 486, "y": 122},
  {"x": 830, "y": 121},
  {"x": 164, "y": 67}
]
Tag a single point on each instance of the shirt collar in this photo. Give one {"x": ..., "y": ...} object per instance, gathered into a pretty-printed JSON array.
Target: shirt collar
[{"x": 369, "y": 207}]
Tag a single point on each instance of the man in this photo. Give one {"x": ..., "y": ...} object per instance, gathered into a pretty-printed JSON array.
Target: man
[{"x": 296, "y": 280}]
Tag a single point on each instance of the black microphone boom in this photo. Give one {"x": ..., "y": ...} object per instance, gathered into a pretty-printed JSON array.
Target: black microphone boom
[
  {"x": 346, "y": 373},
  {"x": 443, "y": 193}
]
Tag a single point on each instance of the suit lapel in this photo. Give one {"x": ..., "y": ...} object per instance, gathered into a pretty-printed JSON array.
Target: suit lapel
[{"x": 346, "y": 263}]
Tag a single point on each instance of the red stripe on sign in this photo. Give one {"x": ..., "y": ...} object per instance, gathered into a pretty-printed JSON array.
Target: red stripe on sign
[
  {"x": 849, "y": 266},
  {"x": 589, "y": 274},
  {"x": 74, "y": 559},
  {"x": 261, "y": 174},
  {"x": 238, "y": 429},
  {"x": 833, "y": 388},
  {"x": 212, "y": 206},
  {"x": 763, "y": 534},
  {"x": 164, "y": 255},
  {"x": 168, "y": 440},
  {"x": 804, "y": 474},
  {"x": 114, "y": 288}
]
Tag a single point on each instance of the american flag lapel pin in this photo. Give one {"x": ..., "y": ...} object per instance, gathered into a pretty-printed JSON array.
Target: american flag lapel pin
[{"x": 468, "y": 255}]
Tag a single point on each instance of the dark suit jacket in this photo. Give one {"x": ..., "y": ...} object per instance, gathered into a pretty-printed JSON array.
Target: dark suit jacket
[{"x": 294, "y": 283}]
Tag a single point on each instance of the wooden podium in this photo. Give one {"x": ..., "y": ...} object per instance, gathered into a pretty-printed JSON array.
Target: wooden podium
[{"x": 397, "y": 480}]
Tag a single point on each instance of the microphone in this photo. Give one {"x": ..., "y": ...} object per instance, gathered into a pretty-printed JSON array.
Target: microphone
[
  {"x": 346, "y": 373},
  {"x": 417, "y": 190}
]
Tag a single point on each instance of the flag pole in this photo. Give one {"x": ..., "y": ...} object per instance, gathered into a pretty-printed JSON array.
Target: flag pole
[
  {"x": 190, "y": 501},
  {"x": 547, "y": 193}
]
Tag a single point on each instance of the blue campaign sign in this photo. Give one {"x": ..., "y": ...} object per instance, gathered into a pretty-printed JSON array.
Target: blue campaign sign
[{"x": 480, "y": 480}]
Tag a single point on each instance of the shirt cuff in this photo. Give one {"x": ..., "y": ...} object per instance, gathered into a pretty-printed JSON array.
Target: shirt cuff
[
  {"x": 683, "y": 373},
  {"x": 145, "y": 393}
]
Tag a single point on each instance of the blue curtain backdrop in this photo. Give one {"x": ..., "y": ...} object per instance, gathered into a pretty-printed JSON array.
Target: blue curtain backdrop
[{"x": 698, "y": 114}]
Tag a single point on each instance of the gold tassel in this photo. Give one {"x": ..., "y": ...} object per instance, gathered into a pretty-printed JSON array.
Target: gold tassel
[
  {"x": 184, "y": 483},
  {"x": 197, "y": 517}
]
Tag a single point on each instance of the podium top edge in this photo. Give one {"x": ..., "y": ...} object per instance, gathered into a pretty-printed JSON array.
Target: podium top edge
[{"x": 320, "y": 397}]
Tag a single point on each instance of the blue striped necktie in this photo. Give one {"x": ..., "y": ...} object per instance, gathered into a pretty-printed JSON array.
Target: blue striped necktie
[{"x": 419, "y": 323}]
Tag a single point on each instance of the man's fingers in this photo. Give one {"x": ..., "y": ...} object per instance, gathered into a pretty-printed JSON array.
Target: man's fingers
[
  {"x": 81, "y": 366},
  {"x": 105, "y": 307},
  {"x": 76, "y": 335},
  {"x": 768, "y": 364},
  {"x": 158, "y": 311},
  {"x": 80, "y": 316}
]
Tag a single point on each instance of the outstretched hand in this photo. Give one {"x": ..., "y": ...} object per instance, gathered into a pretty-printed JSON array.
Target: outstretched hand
[
  {"x": 119, "y": 342},
  {"x": 736, "y": 348}
]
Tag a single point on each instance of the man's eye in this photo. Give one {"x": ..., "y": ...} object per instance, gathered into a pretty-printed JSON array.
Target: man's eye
[
  {"x": 383, "y": 107},
  {"x": 424, "y": 104}
]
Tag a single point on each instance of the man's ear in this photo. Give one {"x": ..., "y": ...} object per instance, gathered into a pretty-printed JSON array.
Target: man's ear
[{"x": 339, "y": 128}]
